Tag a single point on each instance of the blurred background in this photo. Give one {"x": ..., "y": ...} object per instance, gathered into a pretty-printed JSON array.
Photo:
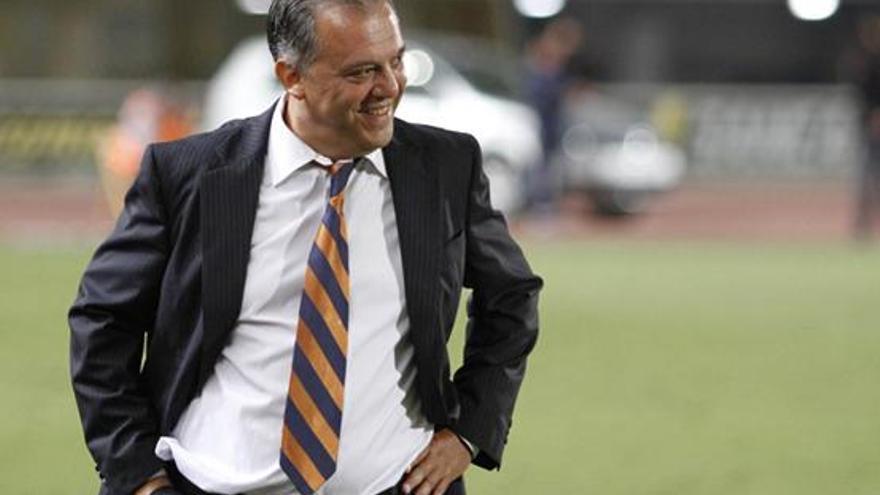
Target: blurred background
[{"x": 698, "y": 181}]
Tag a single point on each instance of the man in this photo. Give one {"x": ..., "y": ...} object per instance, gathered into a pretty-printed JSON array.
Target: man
[
  {"x": 322, "y": 233},
  {"x": 547, "y": 60},
  {"x": 867, "y": 211}
]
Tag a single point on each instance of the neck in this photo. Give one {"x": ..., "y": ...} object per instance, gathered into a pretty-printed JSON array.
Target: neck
[{"x": 306, "y": 132}]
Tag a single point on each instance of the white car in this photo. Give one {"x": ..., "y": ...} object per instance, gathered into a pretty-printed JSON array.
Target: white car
[
  {"x": 612, "y": 152},
  {"x": 437, "y": 94}
]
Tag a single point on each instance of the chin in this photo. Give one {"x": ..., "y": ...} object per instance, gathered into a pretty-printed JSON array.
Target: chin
[{"x": 378, "y": 138}]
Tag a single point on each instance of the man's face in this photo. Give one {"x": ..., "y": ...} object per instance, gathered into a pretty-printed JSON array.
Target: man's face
[{"x": 343, "y": 103}]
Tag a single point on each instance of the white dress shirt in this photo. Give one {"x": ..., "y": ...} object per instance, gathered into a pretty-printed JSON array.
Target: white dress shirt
[{"x": 228, "y": 439}]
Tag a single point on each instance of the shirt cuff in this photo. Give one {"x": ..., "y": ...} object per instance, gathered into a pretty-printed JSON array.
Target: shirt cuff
[{"x": 472, "y": 449}]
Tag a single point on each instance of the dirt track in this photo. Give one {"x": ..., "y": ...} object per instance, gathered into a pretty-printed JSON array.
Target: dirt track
[
  {"x": 818, "y": 211},
  {"x": 50, "y": 210}
]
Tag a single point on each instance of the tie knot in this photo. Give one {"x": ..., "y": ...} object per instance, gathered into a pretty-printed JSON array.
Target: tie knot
[{"x": 340, "y": 172}]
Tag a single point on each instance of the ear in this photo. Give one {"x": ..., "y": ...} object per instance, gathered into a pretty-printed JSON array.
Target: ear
[{"x": 290, "y": 78}]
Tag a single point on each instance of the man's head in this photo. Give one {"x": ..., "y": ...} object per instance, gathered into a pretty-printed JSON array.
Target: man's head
[{"x": 340, "y": 63}]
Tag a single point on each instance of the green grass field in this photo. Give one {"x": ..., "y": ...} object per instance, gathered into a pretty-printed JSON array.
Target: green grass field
[{"x": 661, "y": 369}]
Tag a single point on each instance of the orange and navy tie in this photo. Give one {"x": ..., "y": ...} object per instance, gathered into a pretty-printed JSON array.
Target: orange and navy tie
[{"x": 313, "y": 414}]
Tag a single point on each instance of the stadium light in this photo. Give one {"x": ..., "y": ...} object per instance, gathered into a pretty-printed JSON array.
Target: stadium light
[
  {"x": 418, "y": 67},
  {"x": 813, "y": 10},
  {"x": 539, "y": 8}
]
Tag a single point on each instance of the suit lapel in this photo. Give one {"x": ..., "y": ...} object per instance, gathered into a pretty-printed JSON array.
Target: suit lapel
[
  {"x": 415, "y": 189},
  {"x": 228, "y": 203}
]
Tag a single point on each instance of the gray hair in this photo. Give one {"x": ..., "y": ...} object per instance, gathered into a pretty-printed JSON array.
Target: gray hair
[{"x": 290, "y": 28}]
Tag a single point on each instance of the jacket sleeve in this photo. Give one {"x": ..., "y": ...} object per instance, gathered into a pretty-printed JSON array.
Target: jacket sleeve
[
  {"x": 502, "y": 324},
  {"x": 113, "y": 311}
]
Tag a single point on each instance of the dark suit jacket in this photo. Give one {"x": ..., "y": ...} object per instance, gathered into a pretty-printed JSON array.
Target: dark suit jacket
[{"x": 159, "y": 299}]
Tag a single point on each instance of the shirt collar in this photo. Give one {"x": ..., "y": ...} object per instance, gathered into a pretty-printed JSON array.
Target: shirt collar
[{"x": 287, "y": 153}]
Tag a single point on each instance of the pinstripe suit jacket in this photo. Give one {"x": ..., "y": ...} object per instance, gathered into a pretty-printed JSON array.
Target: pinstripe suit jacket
[{"x": 159, "y": 299}]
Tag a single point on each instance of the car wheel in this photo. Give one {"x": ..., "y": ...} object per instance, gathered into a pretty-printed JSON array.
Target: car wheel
[{"x": 617, "y": 203}]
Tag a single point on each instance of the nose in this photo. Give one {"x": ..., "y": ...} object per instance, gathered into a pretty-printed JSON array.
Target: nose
[{"x": 389, "y": 83}]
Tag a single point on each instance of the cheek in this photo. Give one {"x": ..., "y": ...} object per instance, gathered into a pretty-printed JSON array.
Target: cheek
[{"x": 354, "y": 99}]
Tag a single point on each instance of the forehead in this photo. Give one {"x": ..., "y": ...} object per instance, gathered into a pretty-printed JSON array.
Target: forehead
[{"x": 348, "y": 32}]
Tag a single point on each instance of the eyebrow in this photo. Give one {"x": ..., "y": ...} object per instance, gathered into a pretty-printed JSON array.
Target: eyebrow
[{"x": 357, "y": 65}]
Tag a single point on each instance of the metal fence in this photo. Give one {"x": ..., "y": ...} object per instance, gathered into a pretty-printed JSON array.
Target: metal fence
[
  {"x": 725, "y": 130},
  {"x": 741, "y": 131},
  {"x": 55, "y": 126}
]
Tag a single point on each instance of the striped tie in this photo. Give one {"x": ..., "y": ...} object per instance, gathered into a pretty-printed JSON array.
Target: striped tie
[{"x": 313, "y": 414}]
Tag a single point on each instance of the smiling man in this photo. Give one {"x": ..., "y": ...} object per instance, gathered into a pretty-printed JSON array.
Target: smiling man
[{"x": 297, "y": 276}]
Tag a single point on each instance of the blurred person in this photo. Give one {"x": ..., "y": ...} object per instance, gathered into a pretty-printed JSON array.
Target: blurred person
[
  {"x": 147, "y": 115},
  {"x": 547, "y": 79},
  {"x": 867, "y": 211},
  {"x": 271, "y": 311}
]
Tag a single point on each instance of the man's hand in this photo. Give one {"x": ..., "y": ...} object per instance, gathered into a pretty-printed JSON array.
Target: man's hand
[
  {"x": 155, "y": 485},
  {"x": 443, "y": 461}
]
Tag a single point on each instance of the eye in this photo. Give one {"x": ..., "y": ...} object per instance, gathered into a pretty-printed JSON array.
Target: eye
[
  {"x": 361, "y": 74},
  {"x": 397, "y": 62}
]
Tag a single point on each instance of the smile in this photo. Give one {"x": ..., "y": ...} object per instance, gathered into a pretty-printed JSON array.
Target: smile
[{"x": 377, "y": 111}]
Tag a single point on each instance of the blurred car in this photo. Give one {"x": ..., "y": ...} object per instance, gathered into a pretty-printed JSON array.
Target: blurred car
[
  {"x": 436, "y": 94},
  {"x": 613, "y": 152}
]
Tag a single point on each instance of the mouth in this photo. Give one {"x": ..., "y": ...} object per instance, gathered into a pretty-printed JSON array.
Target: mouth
[{"x": 377, "y": 110}]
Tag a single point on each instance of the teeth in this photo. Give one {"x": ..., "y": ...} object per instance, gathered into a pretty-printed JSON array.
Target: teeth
[{"x": 377, "y": 111}]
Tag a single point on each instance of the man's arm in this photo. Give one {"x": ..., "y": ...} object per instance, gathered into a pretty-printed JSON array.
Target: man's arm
[
  {"x": 113, "y": 310},
  {"x": 502, "y": 329},
  {"x": 502, "y": 324}
]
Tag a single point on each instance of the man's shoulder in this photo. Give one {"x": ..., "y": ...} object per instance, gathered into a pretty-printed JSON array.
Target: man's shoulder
[
  {"x": 239, "y": 135},
  {"x": 180, "y": 163},
  {"x": 424, "y": 135}
]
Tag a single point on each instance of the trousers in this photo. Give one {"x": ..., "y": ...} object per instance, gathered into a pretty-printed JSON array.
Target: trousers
[{"x": 186, "y": 487}]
